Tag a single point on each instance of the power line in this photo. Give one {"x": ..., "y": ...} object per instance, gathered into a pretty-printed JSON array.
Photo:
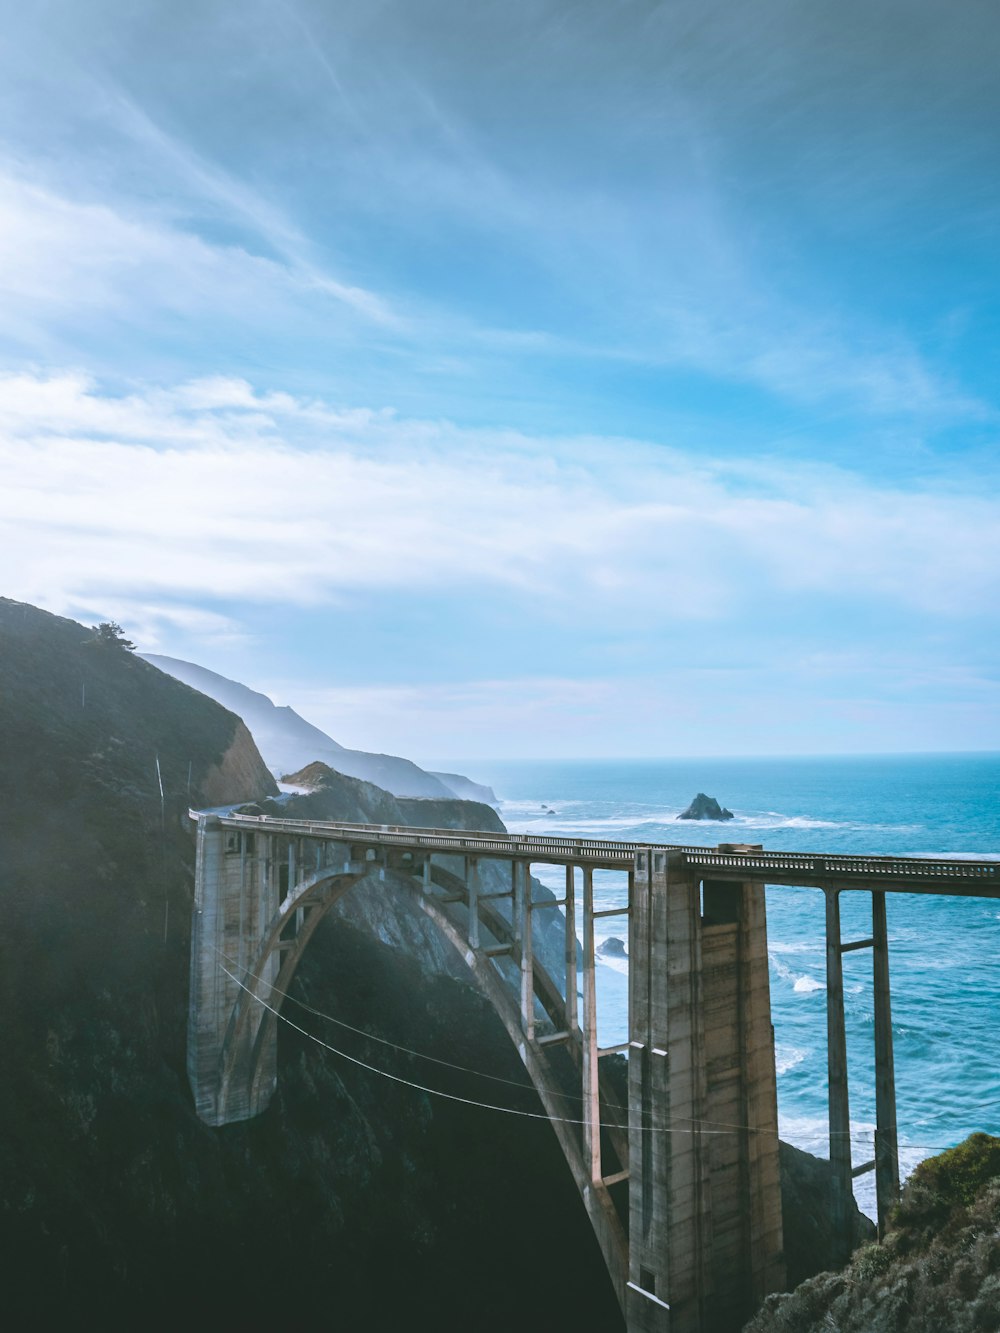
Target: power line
[{"x": 697, "y": 1126}]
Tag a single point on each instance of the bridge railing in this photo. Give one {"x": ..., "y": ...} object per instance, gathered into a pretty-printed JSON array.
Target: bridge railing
[
  {"x": 976, "y": 878},
  {"x": 513, "y": 845},
  {"x": 872, "y": 871}
]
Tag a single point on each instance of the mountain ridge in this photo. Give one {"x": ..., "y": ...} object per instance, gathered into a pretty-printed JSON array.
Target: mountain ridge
[{"x": 288, "y": 742}]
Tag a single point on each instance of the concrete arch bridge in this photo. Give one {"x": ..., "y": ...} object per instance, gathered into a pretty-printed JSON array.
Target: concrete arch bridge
[{"x": 688, "y": 1220}]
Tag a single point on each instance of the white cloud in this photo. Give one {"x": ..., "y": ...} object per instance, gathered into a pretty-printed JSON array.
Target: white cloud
[
  {"x": 68, "y": 266},
  {"x": 210, "y": 490}
]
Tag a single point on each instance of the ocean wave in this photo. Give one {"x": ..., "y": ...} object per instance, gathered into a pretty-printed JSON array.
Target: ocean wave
[
  {"x": 804, "y": 985},
  {"x": 953, "y": 856},
  {"x": 787, "y": 1057},
  {"x": 664, "y": 825}
]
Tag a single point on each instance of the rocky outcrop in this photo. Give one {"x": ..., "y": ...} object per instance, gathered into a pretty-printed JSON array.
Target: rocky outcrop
[
  {"x": 240, "y": 770},
  {"x": 705, "y": 807},
  {"x": 612, "y": 947},
  {"x": 467, "y": 790},
  {"x": 812, "y": 1243},
  {"x": 937, "y": 1269}
]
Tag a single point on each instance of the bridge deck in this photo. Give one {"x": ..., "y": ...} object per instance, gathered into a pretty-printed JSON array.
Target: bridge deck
[{"x": 905, "y": 874}]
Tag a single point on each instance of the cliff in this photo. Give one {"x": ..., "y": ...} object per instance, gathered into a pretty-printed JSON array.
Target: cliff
[
  {"x": 287, "y": 741},
  {"x": 353, "y": 1198},
  {"x": 386, "y": 908}
]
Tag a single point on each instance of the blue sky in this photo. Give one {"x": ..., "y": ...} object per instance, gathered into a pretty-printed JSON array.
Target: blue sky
[{"x": 516, "y": 379}]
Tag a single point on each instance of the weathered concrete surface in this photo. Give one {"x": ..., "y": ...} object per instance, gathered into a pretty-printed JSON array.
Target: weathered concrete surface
[{"x": 705, "y": 1232}]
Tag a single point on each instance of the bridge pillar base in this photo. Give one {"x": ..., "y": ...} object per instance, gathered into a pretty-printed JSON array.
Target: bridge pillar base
[
  {"x": 236, "y": 894},
  {"x": 705, "y": 1234}
]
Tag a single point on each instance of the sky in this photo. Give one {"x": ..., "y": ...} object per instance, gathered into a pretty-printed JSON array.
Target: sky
[{"x": 525, "y": 379}]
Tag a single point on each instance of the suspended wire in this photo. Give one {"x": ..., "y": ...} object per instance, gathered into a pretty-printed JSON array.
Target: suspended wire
[
  {"x": 437, "y": 1092},
  {"x": 463, "y": 1069},
  {"x": 697, "y": 1126},
  {"x": 407, "y": 1050}
]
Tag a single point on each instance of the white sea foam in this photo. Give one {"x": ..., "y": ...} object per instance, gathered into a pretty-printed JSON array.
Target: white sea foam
[
  {"x": 793, "y": 946},
  {"x": 804, "y": 985},
  {"x": 787, "y": 1057},
  {"x": 780, "y": 968},
  {"x": 663, "y": 824}
]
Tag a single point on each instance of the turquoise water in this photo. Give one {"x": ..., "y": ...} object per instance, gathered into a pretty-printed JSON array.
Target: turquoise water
[{"x": 944, "y": 952}]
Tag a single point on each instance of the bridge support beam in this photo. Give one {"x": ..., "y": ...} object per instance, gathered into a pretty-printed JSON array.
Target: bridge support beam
[
  {"x": 886, "y": 1145},
  {"x": 705, "y": 1235},
  {"x": 836, "y": 1059}
]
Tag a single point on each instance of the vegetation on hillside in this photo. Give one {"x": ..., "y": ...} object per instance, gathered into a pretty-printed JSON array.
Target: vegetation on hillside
[{"x": 938, "y": 1270}]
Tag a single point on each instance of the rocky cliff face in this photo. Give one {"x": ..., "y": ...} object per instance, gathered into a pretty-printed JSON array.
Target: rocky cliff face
[
  {"x": 353, "y": 1198},
  {"x": 385, "y": 907}
]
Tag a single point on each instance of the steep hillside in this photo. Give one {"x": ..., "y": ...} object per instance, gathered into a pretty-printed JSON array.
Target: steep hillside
[
  {"x": 287, "y": 741},
  {"x": 467, "y": 790},
  {"x": 352, "y": 1199},
  {"x": 938, "y": 1270}
]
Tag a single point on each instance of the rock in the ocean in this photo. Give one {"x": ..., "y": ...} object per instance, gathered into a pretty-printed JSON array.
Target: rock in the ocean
[
  {"x": 705, "y": 807},
  {"x": 612, "y": 947}
]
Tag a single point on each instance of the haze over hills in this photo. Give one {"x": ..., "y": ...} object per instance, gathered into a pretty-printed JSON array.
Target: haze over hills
[{"x": 288, "y": 742}]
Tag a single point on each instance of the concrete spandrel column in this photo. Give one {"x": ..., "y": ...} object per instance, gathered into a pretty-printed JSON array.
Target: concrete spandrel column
[
  {"x": 591, "y": 1091},
  {"x": 836, "y": 1058},
  {"x": 472, "y": 885},
  {"x": 527, "y": 961},
  {"x": 570, "y": 920},
  {"x": 886, "y": 1143}
]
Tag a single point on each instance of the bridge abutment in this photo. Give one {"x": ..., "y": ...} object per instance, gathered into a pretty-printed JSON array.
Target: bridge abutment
[{"x": 236, "y": 896}]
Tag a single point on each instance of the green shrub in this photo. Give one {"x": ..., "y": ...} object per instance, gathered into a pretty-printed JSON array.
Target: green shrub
[{"x": 956, "y": 1177}]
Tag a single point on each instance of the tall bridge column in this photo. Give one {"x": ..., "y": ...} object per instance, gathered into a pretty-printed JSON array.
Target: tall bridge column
[
  {"x": 886, "y": 1145},
  {"x": 237, "y": 889},
  {"x": 836, "y": 1061},
  {"x": 705, "y": 1237}
]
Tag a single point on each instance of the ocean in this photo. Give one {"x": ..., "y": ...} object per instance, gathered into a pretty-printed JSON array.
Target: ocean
[{"x": 944, "y": 953}]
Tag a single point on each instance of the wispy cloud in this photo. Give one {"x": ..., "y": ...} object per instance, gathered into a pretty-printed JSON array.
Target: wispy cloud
[{"x": 211, "y": 487}]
